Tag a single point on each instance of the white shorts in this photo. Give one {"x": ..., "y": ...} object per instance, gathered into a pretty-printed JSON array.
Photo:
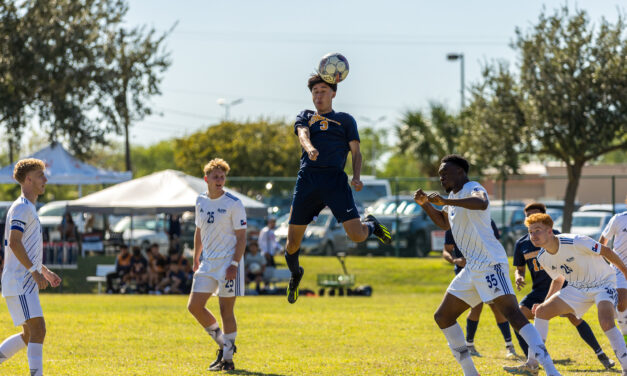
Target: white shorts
[
  {"x": 24, "y": 307},
  {"x": 621, "y": 281},
  {"x": 476, "y": 286},
  {"x": 212, "y": 280},
  {"x": 581, "y": 300}
]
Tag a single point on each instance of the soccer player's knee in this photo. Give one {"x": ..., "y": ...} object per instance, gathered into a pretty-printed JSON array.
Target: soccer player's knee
[
  {"x": 193, "y": 307},
  {"x": 622, "y": 305},
  {"x": 606, "y": 322},
  {"x": 441, "y": 319}
]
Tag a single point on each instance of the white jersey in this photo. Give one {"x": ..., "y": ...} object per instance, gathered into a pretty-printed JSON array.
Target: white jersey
[
  {"x": 472, "y": 231},
  {"x": 22, "y": 216},
  {"x": 218, "y": 219},
  {"x": 617, "y": 228},
  {"x": 578, "y": 259}
]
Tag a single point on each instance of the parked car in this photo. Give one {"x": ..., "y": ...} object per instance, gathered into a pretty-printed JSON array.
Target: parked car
[
  {"x": 147, "y": 229},
  {"x": 413, "y": 232},
  {"x": 324, "y": 236},
  {"x": 372, "y": 190},
  {"x": 618, "y": 208},
  {"x": 590, "y": 223}
]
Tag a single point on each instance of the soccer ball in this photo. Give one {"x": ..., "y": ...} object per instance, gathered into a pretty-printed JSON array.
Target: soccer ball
[{"x": 333, "y": 68}]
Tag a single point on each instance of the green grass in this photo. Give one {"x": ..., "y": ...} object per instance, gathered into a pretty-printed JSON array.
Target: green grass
[{"x": 390, "y": 333}]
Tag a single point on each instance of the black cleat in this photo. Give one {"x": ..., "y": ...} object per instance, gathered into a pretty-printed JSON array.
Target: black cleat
[
  {"x": 224, "y": 365},
  {"x": 607, "y": 362},
  {"x": 292, "y": 288},
  {"x": 219, "y": 353},
  {"x": 380, "y": 231}
]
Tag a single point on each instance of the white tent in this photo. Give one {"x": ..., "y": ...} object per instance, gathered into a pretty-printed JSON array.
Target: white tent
[
  {"x": 63, "y": 168},
  {"x": 166, "y": 191}
]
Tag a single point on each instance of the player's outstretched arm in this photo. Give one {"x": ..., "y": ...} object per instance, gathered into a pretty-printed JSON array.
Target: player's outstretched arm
[
  {"x": 305, "y": 142},
  {"x": 477, "y": 201},
  {"x": 437, "y": 216},
  {"x": 612, "y": 257}
]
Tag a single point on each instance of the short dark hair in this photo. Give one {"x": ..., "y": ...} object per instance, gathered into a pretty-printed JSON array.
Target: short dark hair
[
  {"x": 536, "y": 206},
  {"x": 316, "y": 79},
  {"x": 457, "y": 160}
]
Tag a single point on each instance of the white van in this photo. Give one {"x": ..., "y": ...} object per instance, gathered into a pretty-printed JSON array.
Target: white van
[{"x": 373, "y": 190}]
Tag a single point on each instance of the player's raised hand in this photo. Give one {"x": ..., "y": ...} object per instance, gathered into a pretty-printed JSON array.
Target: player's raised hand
[
  {"x": 41, "y": 281},
  {"x": 313, "y": 154},
  {"x": 435, "y": 198},
  {"x": 420, "y": 197},
  {"x": 357, "y": 184}
]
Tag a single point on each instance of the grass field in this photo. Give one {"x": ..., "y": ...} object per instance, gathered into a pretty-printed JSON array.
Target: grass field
[{"x": 390, "y": 333}]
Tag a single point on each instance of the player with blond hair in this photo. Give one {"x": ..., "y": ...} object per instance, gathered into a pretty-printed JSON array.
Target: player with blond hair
[
  {"x": 219, "y": 244},
  {"x": 24, "y": 274},
  {"x": 579, "y": 260}
]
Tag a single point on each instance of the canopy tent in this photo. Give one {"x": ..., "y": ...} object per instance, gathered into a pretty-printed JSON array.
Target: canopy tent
[
  {"x": 166, "y": 191},
  {"x": 62, "y": 168}
]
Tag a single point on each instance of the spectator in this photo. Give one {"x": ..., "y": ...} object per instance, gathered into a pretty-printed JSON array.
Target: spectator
[
  {"x": 255, "y": 265},
  {"x": 267, "y": 242},
  {"x": 175, "y": 280},
  {"x": 67, "y": 228},
  {"x": 156, "y": 266},
  {"x": 139, "y": 271},
  {"x": 122, "y": 268},
  {"x": 174, "y": 230}
]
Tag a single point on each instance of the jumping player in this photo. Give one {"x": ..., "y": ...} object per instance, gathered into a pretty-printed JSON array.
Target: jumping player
[
  {"x": 485, "y": 277},
  {"x": 525, "y": 255},
  {"x": 617, "y": 228},
  {"x": 24, "y": 274},
  {"x": 219, "y": 244},
  {"x": 326, "y": 138},
  {"x": 579, "y": 260}
]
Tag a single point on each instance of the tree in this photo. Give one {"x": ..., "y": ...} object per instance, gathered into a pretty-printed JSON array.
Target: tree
[
  {"x": 571, "y": 92},
  {"x": 259, "y": 148},
  {"x": 495, "y": 121},
  {"x": 428, "y": 140},
  {"x": 135, "y": 59},
  {"x": 372, "y": 146}
]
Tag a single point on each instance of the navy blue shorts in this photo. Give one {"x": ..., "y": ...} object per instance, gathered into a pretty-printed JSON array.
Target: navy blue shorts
[
  {"x": 534, "y": 297},
  {"x": 319, "y": 187}
]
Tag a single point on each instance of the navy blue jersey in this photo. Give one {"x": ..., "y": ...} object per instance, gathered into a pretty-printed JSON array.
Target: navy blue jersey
[
  {"x": 330, "y": 134},
  {"x": 525, "y": 253},
  {"x": 448, "y": 239}
]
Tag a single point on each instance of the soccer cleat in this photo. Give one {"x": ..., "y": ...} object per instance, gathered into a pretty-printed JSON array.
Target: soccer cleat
[
  {"x": 224, "y": 365},
  {"x": 292, "y": 288},
  {"x": 219, "y": 353},
  {"x": 607, "y": 362},
  {"x": 510, "y": 353},
  {"x": 522, "y": 369},
  {"x": 380, "y": 231},
  {"x": 473, "y": 351}
]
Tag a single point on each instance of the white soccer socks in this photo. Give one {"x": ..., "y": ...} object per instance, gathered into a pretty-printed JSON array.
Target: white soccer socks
[
  {"x": 215, "y": 333},
  {"x": 542, "y": 326},
  {"x": 35, "y": 352},
  {"x": 618, "y": 345},
  {"x": 229, "y": 345},
  {"x": 537, "y": 350},
  {"x": 455, "y": 338},
  {"x": 621, "y": 319},
  {"x": 11, "y": 346}
]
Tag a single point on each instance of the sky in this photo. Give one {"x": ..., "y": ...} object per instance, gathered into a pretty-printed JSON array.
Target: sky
[{"x": 263, "y": 51}]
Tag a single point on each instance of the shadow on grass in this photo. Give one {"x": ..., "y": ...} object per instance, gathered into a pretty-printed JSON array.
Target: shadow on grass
[
  {"x": 249, "y": 373},
  {"x": 589, "y": 371},
  {"x": 563, "y": 362}
]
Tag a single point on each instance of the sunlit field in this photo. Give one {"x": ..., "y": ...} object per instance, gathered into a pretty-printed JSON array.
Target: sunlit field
[{"x": 390, "y": 333}]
